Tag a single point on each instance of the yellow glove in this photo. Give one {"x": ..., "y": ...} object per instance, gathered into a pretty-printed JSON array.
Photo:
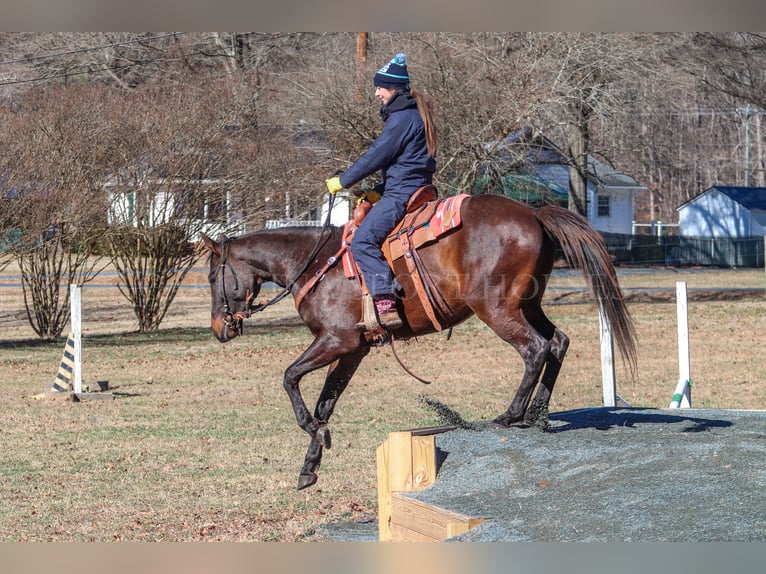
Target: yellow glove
[
  {"x": 371, "y": 196},
  {"x": 333, "y": 185}
]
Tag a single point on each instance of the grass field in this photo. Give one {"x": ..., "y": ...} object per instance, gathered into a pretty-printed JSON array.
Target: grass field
[{"x": 200, "y": 441}]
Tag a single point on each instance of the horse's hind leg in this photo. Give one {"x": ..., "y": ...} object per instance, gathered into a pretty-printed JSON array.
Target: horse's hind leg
[
  {"x": 514, "y": 328},
  {"x": 537, "y": 412},
  {"x": 338, "y": 377}
]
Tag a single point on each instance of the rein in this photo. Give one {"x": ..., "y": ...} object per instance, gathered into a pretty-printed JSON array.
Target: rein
[
  {"x": 403, "y": 366},
  {"x": 234, "y": 320}
]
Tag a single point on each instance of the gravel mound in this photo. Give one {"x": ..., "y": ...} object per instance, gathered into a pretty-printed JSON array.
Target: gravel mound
[{"x": 605, "y": 474}]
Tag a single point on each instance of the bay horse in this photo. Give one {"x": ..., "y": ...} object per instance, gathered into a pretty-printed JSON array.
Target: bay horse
[{"x": 495, "y": 265}]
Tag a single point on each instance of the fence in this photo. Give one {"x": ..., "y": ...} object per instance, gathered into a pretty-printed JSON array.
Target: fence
[{"x": 674, "y": 250}]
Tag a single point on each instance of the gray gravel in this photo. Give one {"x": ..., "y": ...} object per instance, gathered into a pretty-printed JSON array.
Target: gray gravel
[
  {"x": 607, "y": 475},
  {"x": 601, "y": 474}
]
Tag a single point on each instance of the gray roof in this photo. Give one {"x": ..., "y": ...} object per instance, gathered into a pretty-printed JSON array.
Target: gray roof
[
  {"x": 545, "y": 160},
  {"x": 749, "y": 197}
]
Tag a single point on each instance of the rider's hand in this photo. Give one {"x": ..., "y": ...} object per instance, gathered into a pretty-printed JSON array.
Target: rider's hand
[
  {"x": 333, "y": 185},
  {"x": 371, "y": 196}
]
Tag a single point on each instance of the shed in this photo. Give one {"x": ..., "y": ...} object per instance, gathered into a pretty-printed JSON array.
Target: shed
[{"x": 724, "y": 211}]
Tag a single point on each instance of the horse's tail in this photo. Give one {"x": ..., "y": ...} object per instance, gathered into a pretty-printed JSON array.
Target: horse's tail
[{"x": 584, "y": 249}]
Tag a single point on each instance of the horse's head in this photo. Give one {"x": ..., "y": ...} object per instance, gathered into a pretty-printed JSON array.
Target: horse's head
[{"x": 233, "y": 286}]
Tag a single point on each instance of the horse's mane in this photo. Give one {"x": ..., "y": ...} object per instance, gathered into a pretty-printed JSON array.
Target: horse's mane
[
  {"x": 335, "y": 232},
  {"x": 301, "y": 230}
]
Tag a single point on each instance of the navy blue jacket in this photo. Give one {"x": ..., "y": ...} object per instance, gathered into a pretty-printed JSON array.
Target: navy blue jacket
[{"x": 400, "y": 151}]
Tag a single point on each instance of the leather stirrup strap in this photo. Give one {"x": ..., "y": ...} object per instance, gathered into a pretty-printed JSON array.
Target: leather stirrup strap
[{"x": 417, "y": 281}]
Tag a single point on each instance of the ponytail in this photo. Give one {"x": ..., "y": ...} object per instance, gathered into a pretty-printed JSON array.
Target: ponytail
[{"x": 426, "y": 108}]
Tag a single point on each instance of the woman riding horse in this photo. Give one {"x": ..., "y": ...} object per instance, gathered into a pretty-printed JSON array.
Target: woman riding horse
[{"x": 404, "y": 152}]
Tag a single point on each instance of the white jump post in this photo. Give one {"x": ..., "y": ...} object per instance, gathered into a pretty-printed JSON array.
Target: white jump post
[
  {"x": 682, "y": 394},
  {"x": 75, "y": 307},
  {"x": 607, "y": 358}
]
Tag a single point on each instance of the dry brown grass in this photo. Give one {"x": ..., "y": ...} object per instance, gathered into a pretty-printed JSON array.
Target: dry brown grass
[{"x": 200, "y": 442}]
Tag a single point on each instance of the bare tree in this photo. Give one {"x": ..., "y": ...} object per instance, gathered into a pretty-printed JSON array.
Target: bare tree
[
  {"x": 679, "y": 112},
  {"x": 588, "y": 77},
  {"x": 50, "y": 147},
  {"x": 732, "y": 65},
  {"x": 169, "y": 186}
]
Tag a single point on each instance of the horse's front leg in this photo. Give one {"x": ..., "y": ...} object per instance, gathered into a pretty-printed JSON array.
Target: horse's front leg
[
  {"x": 338, "y": 377},
  {"x": 319, "y": 354}
]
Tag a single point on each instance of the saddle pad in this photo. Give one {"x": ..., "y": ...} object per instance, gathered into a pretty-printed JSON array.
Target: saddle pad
[{"x": 444, "y": 219}]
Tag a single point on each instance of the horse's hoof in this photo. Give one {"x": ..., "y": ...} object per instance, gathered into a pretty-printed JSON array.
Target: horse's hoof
[
  {"x": 307, "y": 479},
  {"x": 505, "y": 421},
  {"x": 323, "y": 436},
  {"x": 502, "y": 422}
]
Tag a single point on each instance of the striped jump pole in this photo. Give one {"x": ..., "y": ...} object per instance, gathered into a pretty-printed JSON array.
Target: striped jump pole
[
  {"x": 682, "y": 395},
  {"x": 63, "y": 381},
  {"x": 69, "y": 376},
  {"x": 75, "y": 302}
]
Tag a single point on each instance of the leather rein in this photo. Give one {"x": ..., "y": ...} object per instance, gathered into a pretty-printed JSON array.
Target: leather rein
[{"x": 235, "y": 320}]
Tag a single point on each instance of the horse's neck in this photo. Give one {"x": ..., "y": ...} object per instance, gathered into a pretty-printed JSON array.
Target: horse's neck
[{"x": 282, "y": 253}]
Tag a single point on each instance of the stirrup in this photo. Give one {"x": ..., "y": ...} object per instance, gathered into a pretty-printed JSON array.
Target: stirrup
[
  {"x": 371, "y": 323},
  {"x": 369, "y": 320}
]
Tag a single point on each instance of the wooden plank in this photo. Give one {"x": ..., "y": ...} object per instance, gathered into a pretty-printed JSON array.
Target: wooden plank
[
  {"x": 384, "y": 494},
  {"x": 456, "y": 529},
  {"x": 427, "y": 520},
  {"x": 400, "y": 461},
  {"x": 406, "y": 463},
  {"x": 423, "y": 431},
  {"x": 423, "y": 461},
  {"x": 401, "y": 534}
]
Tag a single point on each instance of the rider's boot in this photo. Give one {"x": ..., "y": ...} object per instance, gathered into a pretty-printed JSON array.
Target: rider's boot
[{"x": 388, "y": 316}]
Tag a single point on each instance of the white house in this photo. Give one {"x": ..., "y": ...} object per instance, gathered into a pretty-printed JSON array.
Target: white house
[
  {"x": 158, "y": 200},
  {"x": 724, "y": 211},
  {"x": 341, "y": 213}
]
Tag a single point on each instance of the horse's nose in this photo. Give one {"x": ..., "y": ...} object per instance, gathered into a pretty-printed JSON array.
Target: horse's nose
[{"x": 220, "y": 329}]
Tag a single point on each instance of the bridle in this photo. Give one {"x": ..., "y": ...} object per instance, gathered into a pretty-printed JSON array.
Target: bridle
[{"x": 235, "y": 320}]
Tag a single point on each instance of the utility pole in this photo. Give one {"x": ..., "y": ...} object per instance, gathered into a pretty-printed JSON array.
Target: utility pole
[
  {"x": 362, "y": 41},
  {"x": 747, "y": 113},
  {"x": 361, "y": 47}
]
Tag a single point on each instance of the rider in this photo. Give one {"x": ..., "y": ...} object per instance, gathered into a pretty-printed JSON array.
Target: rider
[{"x": 405, "y": 153}]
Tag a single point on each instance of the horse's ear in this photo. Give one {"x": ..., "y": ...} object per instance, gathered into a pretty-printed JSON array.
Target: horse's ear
[{"x": 210, "y": 244}]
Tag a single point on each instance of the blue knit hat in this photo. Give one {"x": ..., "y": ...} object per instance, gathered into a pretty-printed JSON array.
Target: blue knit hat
[{"x": 394, "y": 74}]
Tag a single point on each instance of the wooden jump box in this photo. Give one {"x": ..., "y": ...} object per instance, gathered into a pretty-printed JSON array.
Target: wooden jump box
[{"x": 407, "y": 463}]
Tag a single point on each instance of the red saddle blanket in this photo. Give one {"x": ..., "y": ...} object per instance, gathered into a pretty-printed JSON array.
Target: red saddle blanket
[{"x": 426, "y": 224}]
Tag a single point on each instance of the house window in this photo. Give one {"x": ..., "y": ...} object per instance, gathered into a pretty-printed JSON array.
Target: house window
[
  {"x": 603, "y": 206},
  {"x": 215, "y": 209}
]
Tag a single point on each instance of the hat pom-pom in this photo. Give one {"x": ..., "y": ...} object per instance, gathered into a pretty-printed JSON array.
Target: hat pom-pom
[{"x": 400, "y": 58}]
